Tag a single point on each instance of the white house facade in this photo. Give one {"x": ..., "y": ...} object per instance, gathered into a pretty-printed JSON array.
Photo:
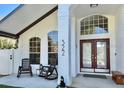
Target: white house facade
[{"x": 84, "y": 38}]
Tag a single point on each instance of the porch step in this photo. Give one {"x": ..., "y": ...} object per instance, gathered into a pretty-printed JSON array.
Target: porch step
[{"x": 106, "y": 74}]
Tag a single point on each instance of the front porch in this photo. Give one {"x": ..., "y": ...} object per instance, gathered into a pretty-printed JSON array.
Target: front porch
[
  {"x": 26, "y": 81},
  {"x": 65, "y": 24},
  {"x": 89, "y": 82}
]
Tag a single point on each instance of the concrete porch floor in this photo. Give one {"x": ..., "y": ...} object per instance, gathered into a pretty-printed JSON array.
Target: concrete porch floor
[
  {"x": 26, "y": 81},
  {"x": 88, "y": 82}
]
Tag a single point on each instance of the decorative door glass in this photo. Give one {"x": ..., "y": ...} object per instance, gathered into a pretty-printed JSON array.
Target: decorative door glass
[
  {"x": 101, "y": 55},
  {"x": 87, "y": 62}
]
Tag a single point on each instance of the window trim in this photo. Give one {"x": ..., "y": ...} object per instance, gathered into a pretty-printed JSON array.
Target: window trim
[
  {"x": 81, "y": 19},
  {"x": 52, "y": 45},
  {"x": 37, "y": 39}
]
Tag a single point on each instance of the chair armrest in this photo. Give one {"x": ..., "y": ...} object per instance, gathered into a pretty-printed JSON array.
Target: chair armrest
[
  {"x": 20, "y": 66},
  {"x": 45, "y": 68}
]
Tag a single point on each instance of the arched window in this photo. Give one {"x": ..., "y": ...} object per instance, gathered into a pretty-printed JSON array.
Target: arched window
[
  {"x": 53, "y": 47},
  {"x": 34, "y": 45},
  {"x": 95, "y": 24}
]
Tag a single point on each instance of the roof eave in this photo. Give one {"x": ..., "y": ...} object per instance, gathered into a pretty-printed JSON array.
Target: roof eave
[{"x": 8, "y": 35}]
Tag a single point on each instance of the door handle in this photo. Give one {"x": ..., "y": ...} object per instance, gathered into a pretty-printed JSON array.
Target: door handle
[{"x": 95, "y": 57}]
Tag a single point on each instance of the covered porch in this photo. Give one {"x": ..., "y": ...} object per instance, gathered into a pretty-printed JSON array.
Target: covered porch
[
  {"x": 66, "y": 20},
  {"x": 89, "y": 82},
  {"x": 78, "y": 13},
  {"x": 25, "y": 81}
]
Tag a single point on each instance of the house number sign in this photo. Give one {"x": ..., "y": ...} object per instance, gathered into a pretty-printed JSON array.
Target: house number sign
[{"x": 63, "y": 48}]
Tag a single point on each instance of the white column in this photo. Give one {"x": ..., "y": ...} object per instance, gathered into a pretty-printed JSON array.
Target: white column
[
  {"x": 73, "y": 47},
  {"x": 64, "y": 64}
]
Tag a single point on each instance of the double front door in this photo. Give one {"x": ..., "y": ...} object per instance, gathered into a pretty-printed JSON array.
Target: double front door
[{"x": 95, "y": 55}]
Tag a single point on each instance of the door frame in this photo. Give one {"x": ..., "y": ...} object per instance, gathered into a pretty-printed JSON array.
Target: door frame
[{"x": 94, "y": 49}]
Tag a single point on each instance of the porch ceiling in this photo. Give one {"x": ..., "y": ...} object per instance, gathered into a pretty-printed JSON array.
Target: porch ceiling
[
  {"x": 24, "y": 16},
  {"x": 82, "y": 10}
]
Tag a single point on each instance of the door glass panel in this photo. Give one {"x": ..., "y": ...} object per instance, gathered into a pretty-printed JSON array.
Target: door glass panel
[
  {"x": 87, "y": 55},
  {"x": 101, "y": 55}
]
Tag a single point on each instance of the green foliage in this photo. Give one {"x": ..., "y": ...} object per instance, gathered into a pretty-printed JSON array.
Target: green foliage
[
  {"x": 7, "y": 86},
  {"x": 15, "y": 46},
  {"x": 0, "y": 43},
  {"x": 7, "y": 44}
]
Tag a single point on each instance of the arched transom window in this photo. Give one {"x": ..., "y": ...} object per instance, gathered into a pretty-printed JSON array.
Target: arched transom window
[
  {"x": 95, "y": 24},
  {"x": 34, "y": 45},
  {"x": 53, "y": 47}
]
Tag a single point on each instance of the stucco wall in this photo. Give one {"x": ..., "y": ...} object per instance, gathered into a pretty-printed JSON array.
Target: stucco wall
[
  {"x": 76, "y": 57},
  {"x": 50, "y": 24},
  {"x": 39, "y": 30},
  {"x": 120, "y": 40}
]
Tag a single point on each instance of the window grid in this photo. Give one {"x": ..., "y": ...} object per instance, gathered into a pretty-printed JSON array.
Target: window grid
[
  {"x": 34, "y": 50},
  {"x": 93, "y": 24},
  {"x": 35, "y": 45},
  {"x": 53, "y": 47}
]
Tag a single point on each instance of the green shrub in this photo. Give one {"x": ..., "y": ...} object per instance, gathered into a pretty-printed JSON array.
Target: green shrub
[{"x": 7, "y": 44}]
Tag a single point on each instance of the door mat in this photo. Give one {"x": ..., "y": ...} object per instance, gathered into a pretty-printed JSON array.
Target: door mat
[{"x": 95, "y": 76}]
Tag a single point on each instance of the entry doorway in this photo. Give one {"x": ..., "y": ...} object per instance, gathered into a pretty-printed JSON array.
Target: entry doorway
[{"x": 95, "y": 55}]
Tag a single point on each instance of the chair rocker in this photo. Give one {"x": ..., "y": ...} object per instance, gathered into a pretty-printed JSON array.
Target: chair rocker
[
  {"x": 49, "y": 72},
  {"x": 25, "y": 68}
]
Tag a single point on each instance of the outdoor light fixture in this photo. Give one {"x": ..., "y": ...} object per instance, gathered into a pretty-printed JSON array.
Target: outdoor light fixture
[{"x": 93, "y": 5}]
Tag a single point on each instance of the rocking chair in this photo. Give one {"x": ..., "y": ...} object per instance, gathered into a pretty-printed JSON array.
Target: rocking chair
[
  {"x": 25, "y": 68},
  {"x": 49, "y": 72}
]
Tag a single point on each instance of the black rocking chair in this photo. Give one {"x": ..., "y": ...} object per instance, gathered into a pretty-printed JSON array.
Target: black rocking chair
[
  {"x": 25, "y": 68},
  {"x": 49, "y": 72}
]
